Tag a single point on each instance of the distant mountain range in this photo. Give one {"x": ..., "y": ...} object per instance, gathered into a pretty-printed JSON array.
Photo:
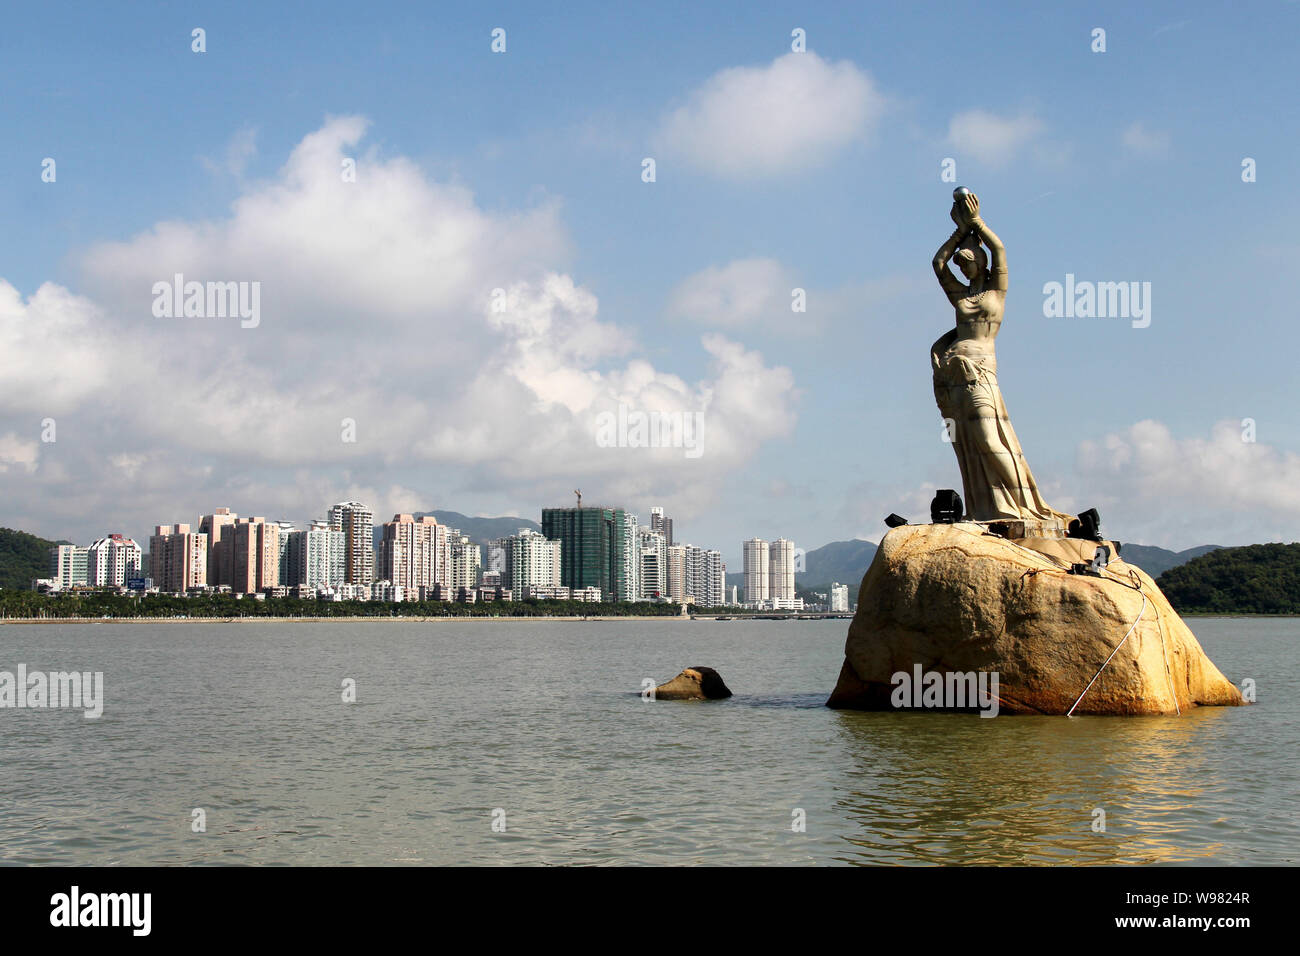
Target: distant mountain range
[{"x": 1156, "y": 561}]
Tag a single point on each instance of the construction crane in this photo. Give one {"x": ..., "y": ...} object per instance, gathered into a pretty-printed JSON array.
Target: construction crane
[{"x": 578, "y": 492}]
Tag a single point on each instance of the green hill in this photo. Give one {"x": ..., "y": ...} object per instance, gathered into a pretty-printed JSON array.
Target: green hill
[
  {"x": 1256, "y": 579},
  {"x": 844, "y": 562},
  {"x": 1156, "y": 561},
  {"x": 23, "y": 556}
]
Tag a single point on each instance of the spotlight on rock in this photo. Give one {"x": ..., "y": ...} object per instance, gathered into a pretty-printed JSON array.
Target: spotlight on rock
[
  {"x": 946, "y": 507},
  {"x": 894, "y": 521},
  {"x": 1086, "y": 526}
]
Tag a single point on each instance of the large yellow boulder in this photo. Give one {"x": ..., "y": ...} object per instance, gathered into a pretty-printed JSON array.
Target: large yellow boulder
[{"x": 953, "y": 599}]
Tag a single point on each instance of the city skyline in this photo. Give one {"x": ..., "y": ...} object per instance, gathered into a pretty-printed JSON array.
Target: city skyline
[
  {"x": 586, "y": 551},
  {"x": 209, "y": 520}
]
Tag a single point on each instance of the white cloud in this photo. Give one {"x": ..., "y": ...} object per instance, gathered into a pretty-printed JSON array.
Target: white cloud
[
  {"x": 18, "y": 453},
  {"x": 1138, "y": 139},
  {"x": 740, "y": 293},
  {"x": 390, "y": 246},
  {"x": 793, "y": 114},
  {"x": 56, "y": 351},
  {"x": 757, "y": 294},
  {"x": 376, "y": 306},
  {"x": 1154, "y": 488},
  {"x": 992, "y": 139}
]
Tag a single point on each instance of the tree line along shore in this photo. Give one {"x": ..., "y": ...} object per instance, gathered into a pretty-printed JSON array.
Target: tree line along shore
[{"x": 91, "y": 606}]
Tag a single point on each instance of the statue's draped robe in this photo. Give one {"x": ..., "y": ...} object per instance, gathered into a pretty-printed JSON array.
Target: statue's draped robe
[{"x": 996, "y": 480}]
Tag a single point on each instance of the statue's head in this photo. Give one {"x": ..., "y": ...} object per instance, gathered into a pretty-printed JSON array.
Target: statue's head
[{"x": 971, "y": 260}]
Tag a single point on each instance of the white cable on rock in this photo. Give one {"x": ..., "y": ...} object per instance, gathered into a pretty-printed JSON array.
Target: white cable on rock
[
  {"x": 1169, "y": 675},
  {"x": 1070, "y": 712}
]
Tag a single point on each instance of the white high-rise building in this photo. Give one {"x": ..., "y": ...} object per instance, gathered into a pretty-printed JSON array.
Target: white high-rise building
[
  {"x": 112, "y": 561},
  {"x": 780, "y": 578},
  {"x": 286, "y": 529},
  {"x": 707, "y": 577},
  {"x": 757, "y": 568},
  {"x": 631, "y": 545},
  {"x": 317, "y": 557},
  {"x": 357, "y": 522},
  {"x": 653, "y": 564},
  {"x": 839, "y": 597},
  {"x": 466, "y": 561},
  {"x": 69, "y": 565},
  {"x": 532, "y": 560}
]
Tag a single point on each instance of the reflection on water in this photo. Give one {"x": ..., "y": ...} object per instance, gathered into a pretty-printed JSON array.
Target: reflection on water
[
  {"x": 544, "y": 721},
  {"x": 938, "y": 788}
]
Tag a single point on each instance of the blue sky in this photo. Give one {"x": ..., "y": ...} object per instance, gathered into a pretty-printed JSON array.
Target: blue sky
[{"x": 522, "y": 171}]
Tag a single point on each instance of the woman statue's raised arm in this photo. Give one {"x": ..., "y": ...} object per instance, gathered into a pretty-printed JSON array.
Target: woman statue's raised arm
[
  {"x": 947, "y": 280},
  {"x": 997, "y": 251}
]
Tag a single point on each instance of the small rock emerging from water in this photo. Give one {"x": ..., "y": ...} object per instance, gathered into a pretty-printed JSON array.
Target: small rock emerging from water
[{"x": 694, "y": 683}]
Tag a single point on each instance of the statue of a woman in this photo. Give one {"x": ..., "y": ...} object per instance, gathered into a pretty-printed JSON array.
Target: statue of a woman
[{"x": 995, "y": 479}]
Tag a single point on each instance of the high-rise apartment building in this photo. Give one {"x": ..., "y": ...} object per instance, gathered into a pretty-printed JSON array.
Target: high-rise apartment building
[
  {"x": 112, "y": 561},
  {"x": 654, "y": 564},
  {"x": 705, "y": 576},
  {"x": 178, "y": 558},
  {"x": 69, "y": 565},
  {"x": 839, "y": 597},
  {"x": 286, "y": 529},
  {"x": 757, "y": 567},
  {"x": 254, "y": 555},
  {"x": 715, "y": 579},
  {"x": 496, "y": 564},
  {"x": 533, "y": 560},
  {"x": 357, "y": 523},
  {"x": 693, "y": 573},
  {"x": 631, "y": 590},
  {"x": 661, "y": 523},
  {"x": 676, "y": 573},
  {"x": 780, "y": 578},
  {"x": 415, "y": 553},
  {"x": 215, "y": 525},
  {"x": 316, "y": 557},
  {"x": 594, "y": 548},
  {"x": 466, "y": 561}
]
